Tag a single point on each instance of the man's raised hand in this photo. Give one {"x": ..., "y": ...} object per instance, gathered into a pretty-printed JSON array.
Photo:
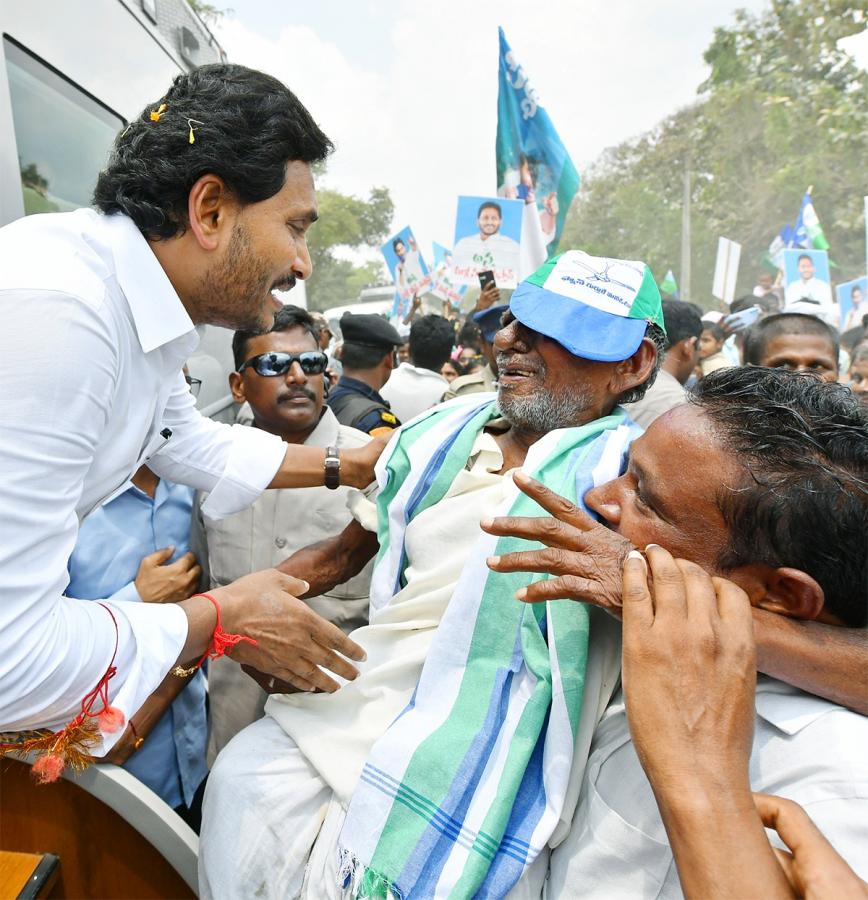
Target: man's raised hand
[
  {"x": 689, "y": 673},
  {"x": 813, "y": 867},
  {"x": 584, "y": 556}
]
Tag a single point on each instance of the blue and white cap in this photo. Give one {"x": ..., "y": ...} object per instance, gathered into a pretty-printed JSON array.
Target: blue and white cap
[{"x": 596, "y": 307}]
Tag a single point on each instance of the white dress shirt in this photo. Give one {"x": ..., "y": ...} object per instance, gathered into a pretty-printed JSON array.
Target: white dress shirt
[
  {"x": 814, "y": 289},
  {"x": 91, "y": 349},
  {"x": 804, "y": 748},
  {"x": 411, "y": 390},
  {"x": 497, "y": 252}
]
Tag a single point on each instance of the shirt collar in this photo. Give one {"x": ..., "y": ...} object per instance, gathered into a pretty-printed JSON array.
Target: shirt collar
[
  {"x": 326, "y": 432},
  {"x": 158, "y": 313},
  {"x": 787, "y": 708},
  {"x": 422, "y": 373}
]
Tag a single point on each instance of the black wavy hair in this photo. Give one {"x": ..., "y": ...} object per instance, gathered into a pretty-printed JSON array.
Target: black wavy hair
[
  {"x": 431, "y": 340},
  {"x": 714, "y": 329},
  {"x": 246, "y": 127},
  {"x": 803, "y": 503},
  {"x": 288, "y": 316}
]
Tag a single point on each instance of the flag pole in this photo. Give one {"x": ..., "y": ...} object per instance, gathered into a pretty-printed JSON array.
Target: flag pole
[{"x": 685, "y": 236}]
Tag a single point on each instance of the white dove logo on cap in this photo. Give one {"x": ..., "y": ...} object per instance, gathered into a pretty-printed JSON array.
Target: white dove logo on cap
[{"x": 596, "y": 307}]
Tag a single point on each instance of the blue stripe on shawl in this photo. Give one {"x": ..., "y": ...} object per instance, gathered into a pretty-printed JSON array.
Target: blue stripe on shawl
[
  {"x": 424, "y": 865},
  {"x": 528, "y": 809}
]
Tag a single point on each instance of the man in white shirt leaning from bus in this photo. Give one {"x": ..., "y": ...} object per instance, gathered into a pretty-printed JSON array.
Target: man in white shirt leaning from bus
[{"x": 202, "y": 211}]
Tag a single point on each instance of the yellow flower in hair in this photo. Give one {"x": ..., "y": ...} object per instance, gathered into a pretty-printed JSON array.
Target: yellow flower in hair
[
  {"x": 192, "y": 137},
  {"x": 156, "y": 113}
]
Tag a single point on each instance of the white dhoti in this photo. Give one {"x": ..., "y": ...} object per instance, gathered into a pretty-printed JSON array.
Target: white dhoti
[{"x": 273, "y": 825}]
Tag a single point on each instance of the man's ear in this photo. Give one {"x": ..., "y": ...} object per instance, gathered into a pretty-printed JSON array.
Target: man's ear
[
  {"x": 791, "y": 592},
  {"x": 682, "y": 350},
  {"x": 209, "y": 205},
  {"x": 236, "y": 385},
  {"x": 632, "y": 372}
]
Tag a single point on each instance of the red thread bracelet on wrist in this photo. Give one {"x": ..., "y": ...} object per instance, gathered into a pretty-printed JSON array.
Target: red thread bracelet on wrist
[{"x": 221, "y": 642}]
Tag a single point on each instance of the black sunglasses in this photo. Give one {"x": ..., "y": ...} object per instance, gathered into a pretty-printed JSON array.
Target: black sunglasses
[
  {"x": 194, "y": 384},
  {"x": 312, "y": 362}
]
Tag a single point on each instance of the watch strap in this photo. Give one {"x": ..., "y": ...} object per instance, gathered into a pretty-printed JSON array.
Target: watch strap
[{"x": 332, "y": 467}]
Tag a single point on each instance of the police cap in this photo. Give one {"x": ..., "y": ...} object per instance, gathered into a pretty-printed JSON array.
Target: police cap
[
  {"x": 488, "y": 320},
  {"x": 369, "y": 329}
]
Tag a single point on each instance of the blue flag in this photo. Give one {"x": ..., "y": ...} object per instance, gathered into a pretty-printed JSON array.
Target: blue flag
[{"x": 532, "y": 162}]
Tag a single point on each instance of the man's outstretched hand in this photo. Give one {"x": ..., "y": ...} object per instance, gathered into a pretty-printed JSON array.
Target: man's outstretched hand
[
  {"x": 357, "y": 463},
  {"x": 584, "y": 556},
  {"x": 689, "y": 674},
  {"x": 294, "y": 644}
]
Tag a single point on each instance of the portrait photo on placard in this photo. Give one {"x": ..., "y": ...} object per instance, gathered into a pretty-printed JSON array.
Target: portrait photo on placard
[
  {"x": 806, "y": 277},
  {"x": 851, "y": 298},
  {"x": 409, "y": 270},
  {"x": 487, "y": 236}
]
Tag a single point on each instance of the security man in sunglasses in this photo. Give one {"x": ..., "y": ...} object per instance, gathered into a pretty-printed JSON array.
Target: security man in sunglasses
[
  {"x": 368, "y": 355},
  {"x": 280, "y": 380}
]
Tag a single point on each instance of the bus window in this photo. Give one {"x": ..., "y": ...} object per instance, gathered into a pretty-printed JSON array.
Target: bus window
[{"x": 63, "y": 135}]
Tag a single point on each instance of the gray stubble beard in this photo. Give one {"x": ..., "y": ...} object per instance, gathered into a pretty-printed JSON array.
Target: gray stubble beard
[{"x": 543, "y": 412}]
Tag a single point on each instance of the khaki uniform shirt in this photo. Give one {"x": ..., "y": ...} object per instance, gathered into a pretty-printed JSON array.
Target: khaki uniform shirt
[
  {"x": 480, "y": 381},
  {"x": 262, "y": 536}
]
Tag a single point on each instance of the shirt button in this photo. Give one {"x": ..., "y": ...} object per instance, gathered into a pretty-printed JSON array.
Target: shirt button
[{"x": 280, "y": 543}]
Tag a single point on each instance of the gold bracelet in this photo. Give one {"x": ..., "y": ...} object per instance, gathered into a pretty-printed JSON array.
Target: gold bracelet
[
  {"x": 138, "y": 740},
  {"x": 181, "y": 672}
]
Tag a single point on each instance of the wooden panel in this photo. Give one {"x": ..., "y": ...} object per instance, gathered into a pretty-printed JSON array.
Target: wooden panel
[
  {"x": 101, "y": 855},
  {"x": 28, "y": 876},
  {"x": 15, "y": 871}
]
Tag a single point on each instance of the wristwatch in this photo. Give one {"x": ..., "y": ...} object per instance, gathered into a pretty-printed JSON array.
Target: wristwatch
[{"x": 332, "y": 468}]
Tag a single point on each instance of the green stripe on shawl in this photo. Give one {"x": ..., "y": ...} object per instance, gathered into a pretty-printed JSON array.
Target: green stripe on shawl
[{"x": 430, "y": 764}]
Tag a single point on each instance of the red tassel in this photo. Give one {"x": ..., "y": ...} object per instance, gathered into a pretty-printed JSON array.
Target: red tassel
[
  {"x": 48, "y": 767},
  {"x": 111, "y": 719}
]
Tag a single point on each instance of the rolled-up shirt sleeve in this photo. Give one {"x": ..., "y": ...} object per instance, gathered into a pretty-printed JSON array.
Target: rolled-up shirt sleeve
[
  {"x": 59, "y": 366},
  {"x": 233, "y": 463}
]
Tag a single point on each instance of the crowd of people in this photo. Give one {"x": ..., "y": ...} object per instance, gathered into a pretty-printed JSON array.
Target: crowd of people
[{"x": 565, "y": 596}]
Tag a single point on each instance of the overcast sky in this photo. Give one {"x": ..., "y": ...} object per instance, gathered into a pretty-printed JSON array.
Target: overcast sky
[{"x": 408, "y": 90}]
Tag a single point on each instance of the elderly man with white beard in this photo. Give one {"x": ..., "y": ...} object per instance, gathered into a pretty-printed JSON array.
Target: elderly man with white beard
[
  {"x": 453, "y": 763},
  {"x": 454, "y": 760}
]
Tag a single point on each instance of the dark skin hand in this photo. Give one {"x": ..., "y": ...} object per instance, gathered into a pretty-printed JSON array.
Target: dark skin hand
[
  {"x": 325, "y": 565},
  {"x": 574, "y": 543},
  {"x": 146, "y": 718},
  {"x": 489, "y": 296},
  {"x": 269, "y": 684},
  {"x": 331, "y": 562},
  {"x": 825, "y": 660}
]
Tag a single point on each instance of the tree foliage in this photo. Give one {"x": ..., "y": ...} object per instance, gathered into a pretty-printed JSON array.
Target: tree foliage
[
  {"x": 346, "y": 223},
  {"x": 207, "y": 12},
  {"x": 783, "y": 108}
]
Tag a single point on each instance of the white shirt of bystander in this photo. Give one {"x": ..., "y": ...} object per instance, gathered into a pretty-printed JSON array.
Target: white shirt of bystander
[
  {"x": 804, "y": 748},
  {"x": 91, "y": 349},
  {"x": 411, "y": 390}
]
